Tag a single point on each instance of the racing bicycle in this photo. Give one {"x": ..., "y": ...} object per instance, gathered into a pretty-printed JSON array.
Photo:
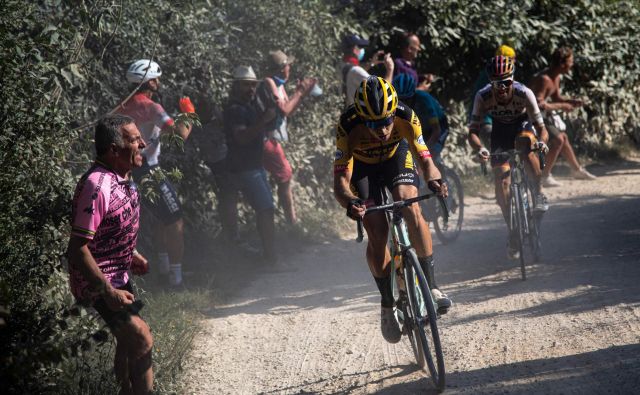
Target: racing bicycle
[
  {"x": 416, "y": 308},
  {"x": 523, "y": 219}
]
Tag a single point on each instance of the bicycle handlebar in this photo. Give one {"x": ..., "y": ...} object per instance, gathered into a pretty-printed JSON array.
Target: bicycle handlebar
[
  {"x": 397, "y": 205},
  {"x": 509, "y": 154}
]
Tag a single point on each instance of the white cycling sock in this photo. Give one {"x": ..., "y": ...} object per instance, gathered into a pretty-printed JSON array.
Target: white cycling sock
[
  {"x": 163, "y": 263},
  {"x": 176, "y": 274}
]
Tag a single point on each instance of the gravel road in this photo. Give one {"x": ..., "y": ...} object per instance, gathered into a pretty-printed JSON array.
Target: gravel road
[{"x": 573, "y": 327}]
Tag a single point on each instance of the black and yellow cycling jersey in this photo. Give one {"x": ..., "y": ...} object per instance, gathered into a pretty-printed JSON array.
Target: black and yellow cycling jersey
[{"x": 354, "y": 140}]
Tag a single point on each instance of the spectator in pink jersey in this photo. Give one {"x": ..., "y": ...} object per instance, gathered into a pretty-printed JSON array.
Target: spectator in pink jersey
[
  {"x": 102, "y": 248},
  {"x": 274, "y": 160},
  {"x": 152, "y": 120}
]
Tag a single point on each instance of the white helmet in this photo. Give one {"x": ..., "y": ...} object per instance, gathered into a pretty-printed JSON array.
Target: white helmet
[{"x": 143, "y": 69}]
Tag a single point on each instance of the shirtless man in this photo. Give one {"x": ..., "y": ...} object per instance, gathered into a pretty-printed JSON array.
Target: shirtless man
[{"x": 545, "y": 85}]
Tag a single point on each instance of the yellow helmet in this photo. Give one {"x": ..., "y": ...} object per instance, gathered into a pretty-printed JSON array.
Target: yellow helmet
[
  {"x": 375, "y": 99},
  {"x": 505, "y": 50}
]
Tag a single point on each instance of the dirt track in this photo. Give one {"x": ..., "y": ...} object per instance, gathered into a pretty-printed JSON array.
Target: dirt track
[{"x": 572, "y": 328}]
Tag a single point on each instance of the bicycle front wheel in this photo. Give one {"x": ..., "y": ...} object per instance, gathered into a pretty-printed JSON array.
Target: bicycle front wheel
[
  {"x": 424, "y": 324},
  {"x": 520, "y": 223},
  {"x": 449, "y": 231}
]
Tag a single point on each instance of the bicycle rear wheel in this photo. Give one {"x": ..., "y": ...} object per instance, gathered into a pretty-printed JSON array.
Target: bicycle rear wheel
[
  {"x": 449, "y": 231},
  {"x": 519, "y": 212},
  {"x": 423, "y": 322}
]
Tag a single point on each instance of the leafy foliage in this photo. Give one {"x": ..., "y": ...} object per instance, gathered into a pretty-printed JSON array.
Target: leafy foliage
[{"x": 62, "y": 66}]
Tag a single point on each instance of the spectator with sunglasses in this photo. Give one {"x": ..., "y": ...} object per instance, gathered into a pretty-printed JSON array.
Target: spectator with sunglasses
[
  {"x": 102, "y": 248},
  {"x": 378, "y": 142},
  {"x": 514, "y": 110}
]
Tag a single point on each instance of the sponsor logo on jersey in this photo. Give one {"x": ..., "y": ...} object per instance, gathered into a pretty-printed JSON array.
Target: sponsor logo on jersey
[
  {"x": 505, "y": 113},
  {"x": 421, "y": 140}
]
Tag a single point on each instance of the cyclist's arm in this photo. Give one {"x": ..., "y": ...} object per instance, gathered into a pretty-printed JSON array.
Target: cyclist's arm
[
  {"x": 475, "y": 123},
  {"x": 166, "y": 124},
  {"x": 341, "y": 189},
  {"x": 342, "y": 166}
]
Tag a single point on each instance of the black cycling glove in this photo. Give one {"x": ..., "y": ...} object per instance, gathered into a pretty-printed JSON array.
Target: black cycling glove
[
  {"x": 435, "y": 185},
  {"x": 354, "y": 202}
]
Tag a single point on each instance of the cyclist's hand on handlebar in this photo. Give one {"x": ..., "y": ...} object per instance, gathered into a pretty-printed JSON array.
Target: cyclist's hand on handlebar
[
  {"x": 439, "y": 187},
  {"x": 483, "y": 154},
  {"x": 541, "y": 146},
  {"x": 356, "y": 209}
]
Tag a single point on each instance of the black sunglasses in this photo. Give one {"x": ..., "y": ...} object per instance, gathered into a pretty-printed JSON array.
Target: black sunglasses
[
  {"x": 379, "y": 123},
  {"x": 502, "y": 84}
]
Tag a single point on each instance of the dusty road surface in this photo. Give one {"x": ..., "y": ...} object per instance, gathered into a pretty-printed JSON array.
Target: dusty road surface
[{"x": 573, "y": 327}]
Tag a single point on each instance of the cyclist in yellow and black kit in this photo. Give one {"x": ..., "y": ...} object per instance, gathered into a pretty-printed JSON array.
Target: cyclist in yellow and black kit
[{"x": 378, "y": 142}]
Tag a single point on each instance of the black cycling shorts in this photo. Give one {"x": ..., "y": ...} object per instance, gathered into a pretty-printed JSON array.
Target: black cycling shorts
[
  {"x": 117, "y": 318},
  {"x": 368, "y": 180},
  {"x": 166, "y": 206},
  {"x": 504, "y": 135}
]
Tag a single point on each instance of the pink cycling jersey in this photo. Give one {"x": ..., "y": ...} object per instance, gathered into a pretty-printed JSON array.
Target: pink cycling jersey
[{"x": 105, "y": 210}]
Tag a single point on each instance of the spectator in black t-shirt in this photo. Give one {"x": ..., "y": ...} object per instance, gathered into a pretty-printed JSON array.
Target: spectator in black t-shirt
[{"x": 244, "y": 129}]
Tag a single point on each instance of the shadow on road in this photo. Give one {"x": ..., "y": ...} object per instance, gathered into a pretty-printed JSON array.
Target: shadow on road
[{"x": 588, "y": 373}]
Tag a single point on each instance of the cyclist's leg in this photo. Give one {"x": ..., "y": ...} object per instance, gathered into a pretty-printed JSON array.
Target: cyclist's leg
[
  {"x": 365, "y": 182},
  {"x": 170, "y": 213},
  {"x": 524, "y": 141},
  {"x": 502, "y": 139}
]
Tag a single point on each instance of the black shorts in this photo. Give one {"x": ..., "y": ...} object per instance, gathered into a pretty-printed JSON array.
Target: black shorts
[
  {"x": 368, "y": 180},
  {"x": 116, "y": 318},
  {"x": 166, "y": 206},
  {"x": 504, "y": 135}
]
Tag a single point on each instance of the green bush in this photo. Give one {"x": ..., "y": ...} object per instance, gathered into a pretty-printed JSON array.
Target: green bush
[
  {"x": 459, "y": 36},
  {"x": 62, "y": 66}
]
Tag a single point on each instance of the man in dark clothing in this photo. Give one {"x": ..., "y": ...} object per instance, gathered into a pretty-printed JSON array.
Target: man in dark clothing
[{"x": 244, "y": 128}]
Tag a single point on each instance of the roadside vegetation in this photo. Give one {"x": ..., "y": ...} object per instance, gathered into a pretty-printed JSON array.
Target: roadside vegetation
[{"x": 62, "y": 66}]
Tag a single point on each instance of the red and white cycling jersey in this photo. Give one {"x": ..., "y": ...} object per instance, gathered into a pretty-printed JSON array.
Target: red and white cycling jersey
[{"x": 150, "y": 118}]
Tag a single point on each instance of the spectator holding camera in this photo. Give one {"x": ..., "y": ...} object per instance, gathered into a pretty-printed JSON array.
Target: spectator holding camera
[
  {"x": 352, "y": 73},
  {"x": 274, "y": 159},
  {"x": 407, "y": 52}
]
